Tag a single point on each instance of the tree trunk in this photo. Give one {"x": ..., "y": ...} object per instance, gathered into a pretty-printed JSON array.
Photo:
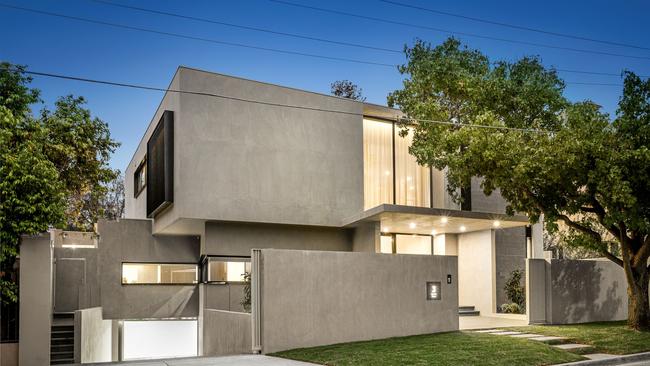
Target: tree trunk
[{"x": 638, "y": 316}]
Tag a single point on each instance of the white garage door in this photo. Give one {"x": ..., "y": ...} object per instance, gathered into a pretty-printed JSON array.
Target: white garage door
[{"x": 146, "y": 339}]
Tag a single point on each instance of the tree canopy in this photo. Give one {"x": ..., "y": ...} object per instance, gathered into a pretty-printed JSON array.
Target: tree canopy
[
  {"x": 565, "y": 162},
  {"x": 347, "y": 89},
  {"x": 50, "y": 165}
]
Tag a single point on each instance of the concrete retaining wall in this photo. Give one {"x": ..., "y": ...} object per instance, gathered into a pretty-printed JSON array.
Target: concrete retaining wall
[
  {"x": 226, "y": 332},
  {"x": 311, "y": 298},
  {"x": 93, "y": 336}
]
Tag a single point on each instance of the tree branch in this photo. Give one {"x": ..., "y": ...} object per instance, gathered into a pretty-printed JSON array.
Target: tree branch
[{"x": 596, "y": 236}]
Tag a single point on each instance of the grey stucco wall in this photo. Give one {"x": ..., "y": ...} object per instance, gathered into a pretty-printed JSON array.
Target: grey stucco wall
[
  {"x": 510, "y": 254},
  {"x": 239, "y": 161},
  {"x": 35, "y": 300},
  {"x": 366, "y": 237},
  {"x": 239, "y": 238},
  {"x": 131, "y": 241},
  {"x": 311, "y": 298},
  {"x": 224, "y": 297},
  {"x": 80, "y": 287},
  {"x": 580, "y": 291},
  {"x": 226, "y": 333}
]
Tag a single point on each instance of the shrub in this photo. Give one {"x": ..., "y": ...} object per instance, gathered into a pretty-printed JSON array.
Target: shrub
[
  {"x": 515, "y": 291},
  {"x": 246, "y": 302},
  {"x": 511, "y": 308}
]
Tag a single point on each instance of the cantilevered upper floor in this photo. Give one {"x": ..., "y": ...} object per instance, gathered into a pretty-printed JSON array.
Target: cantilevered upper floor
[{"x": 230, "y": 149}]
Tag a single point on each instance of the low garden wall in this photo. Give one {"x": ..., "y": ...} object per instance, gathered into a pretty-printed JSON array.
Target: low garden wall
[
  {"x": 226, "y": 332},
  {"x": 311, "y": 298},
  {"x": 580, "y": 291}
]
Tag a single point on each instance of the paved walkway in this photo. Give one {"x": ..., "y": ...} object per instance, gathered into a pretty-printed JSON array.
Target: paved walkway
[
  {"x": 485, "y": 322},
  {"x": 239, "y": 360},
  {"x": 558, "y": 342}
]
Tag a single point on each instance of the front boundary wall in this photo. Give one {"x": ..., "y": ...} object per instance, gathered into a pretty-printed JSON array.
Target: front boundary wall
[
  {"x": 311, "y": 298},
  {"x": 561, "y": 291}
]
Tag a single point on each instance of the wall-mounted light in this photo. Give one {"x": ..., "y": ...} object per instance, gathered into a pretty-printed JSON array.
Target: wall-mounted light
[
  {"x": 444, "y": 220},
  {"x": 462, "y": 228},
  {"x": 78, "y": 246},
  {"x": 496, "y": 223},
  {"x": 412, "y": 225}
]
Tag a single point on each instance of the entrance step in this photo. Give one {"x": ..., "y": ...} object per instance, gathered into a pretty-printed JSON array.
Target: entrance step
[
  {"x": 468, "y": 311},
  {"x": 62, "y": 341}
]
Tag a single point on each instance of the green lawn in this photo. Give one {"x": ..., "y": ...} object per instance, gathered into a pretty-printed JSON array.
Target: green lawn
[
  {"x": 607, "y": 337},
  {"x": 455, "y": 348}
]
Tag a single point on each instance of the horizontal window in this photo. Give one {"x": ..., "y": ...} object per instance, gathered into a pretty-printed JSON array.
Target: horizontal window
[
  {"x": 227, "y": 269},
  {"x": 159, "y": 274}
]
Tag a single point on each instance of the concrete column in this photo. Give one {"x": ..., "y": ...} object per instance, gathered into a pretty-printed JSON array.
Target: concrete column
[
  {"x": 536, "y": 291},
  {"x": 35, "y": 300},
  {"x": 477, "y": 271},
  {"x": 538, "y": 240}
]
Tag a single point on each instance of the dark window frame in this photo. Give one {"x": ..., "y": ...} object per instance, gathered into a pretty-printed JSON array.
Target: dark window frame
[
  {"x": 196, "y": 265},
  {"x": 160, "y": 166},
  {"x": 205, "y": 268},
  {"x": 138, "y": 173}
]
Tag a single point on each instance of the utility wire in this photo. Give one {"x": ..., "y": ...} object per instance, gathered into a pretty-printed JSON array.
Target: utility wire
[
  {"x": 241, "y": 45},
  {"x": 475, "y": 35},
  {"x": 184, "y": 36},
  {"x": 211, "y": 21},
  {"x": 255, "y": 101},
  {"x": 514, "y": 26},
  {"x": 295, "y": 35}
]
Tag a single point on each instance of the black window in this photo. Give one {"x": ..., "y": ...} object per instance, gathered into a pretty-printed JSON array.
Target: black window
[
  {"x": 160, "y": 166},
  {"x": 140, "y": 178}
]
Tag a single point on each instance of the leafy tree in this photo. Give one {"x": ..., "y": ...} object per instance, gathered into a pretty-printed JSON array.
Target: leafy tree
[
  {"x": 47, "y": 163},
  {"x": 564, "y": 162},
  {"x": 347, "y": 89},
  {"x": 107, "y": 203}
]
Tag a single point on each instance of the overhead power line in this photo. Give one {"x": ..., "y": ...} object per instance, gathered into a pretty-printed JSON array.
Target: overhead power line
[
  {"x": 514, "y": 26},
  {"x": 466, "y": 34},
  {"x": 295, "y": 35},
  {"x": 256, "y": 29},
  {"x": 185, "y": 36},
  {"x": 268, "y": 49},
  {"x": 255, "y": 101}
]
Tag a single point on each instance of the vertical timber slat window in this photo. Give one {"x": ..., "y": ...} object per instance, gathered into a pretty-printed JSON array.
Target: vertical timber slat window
[
  {"x": 377, "y": 163},
  {"x": 140, "y": 178},
  {"x": 159, "y": 274},
  {"x": 412, "y": 187},
  {"x": 160, "y": 165}
]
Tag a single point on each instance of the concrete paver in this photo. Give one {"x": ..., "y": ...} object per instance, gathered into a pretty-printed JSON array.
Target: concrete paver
[
  {"x": 599, "y": 356},
  {"x": 505, "y": 332},
  {"x": 526, "y": 335},
  {"x": 547, "y": 338},
  {"x": 571, "y": 346}
]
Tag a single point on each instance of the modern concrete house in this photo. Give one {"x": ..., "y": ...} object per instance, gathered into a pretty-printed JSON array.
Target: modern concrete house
[{"x": 345, "y": 235}]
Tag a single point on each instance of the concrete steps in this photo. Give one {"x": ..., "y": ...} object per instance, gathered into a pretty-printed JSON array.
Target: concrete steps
[
  {"x": 468, "y": 311},
  {"x": 62, "y": 340}
]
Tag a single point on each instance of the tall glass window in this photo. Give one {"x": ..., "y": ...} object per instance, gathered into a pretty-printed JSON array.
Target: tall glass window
[
  {"x": 377, "y": 163},
  {"x": 412, "y": 181}
]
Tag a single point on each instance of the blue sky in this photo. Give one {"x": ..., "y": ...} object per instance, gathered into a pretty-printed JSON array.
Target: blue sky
[{"x": 64, "y": 46}]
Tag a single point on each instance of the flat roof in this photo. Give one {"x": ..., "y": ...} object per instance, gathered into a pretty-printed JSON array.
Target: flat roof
[{"x": 423, "y": 220}]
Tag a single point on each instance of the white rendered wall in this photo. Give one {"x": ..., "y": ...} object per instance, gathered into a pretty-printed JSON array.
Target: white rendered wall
[{"x": 476, "y": 271}]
